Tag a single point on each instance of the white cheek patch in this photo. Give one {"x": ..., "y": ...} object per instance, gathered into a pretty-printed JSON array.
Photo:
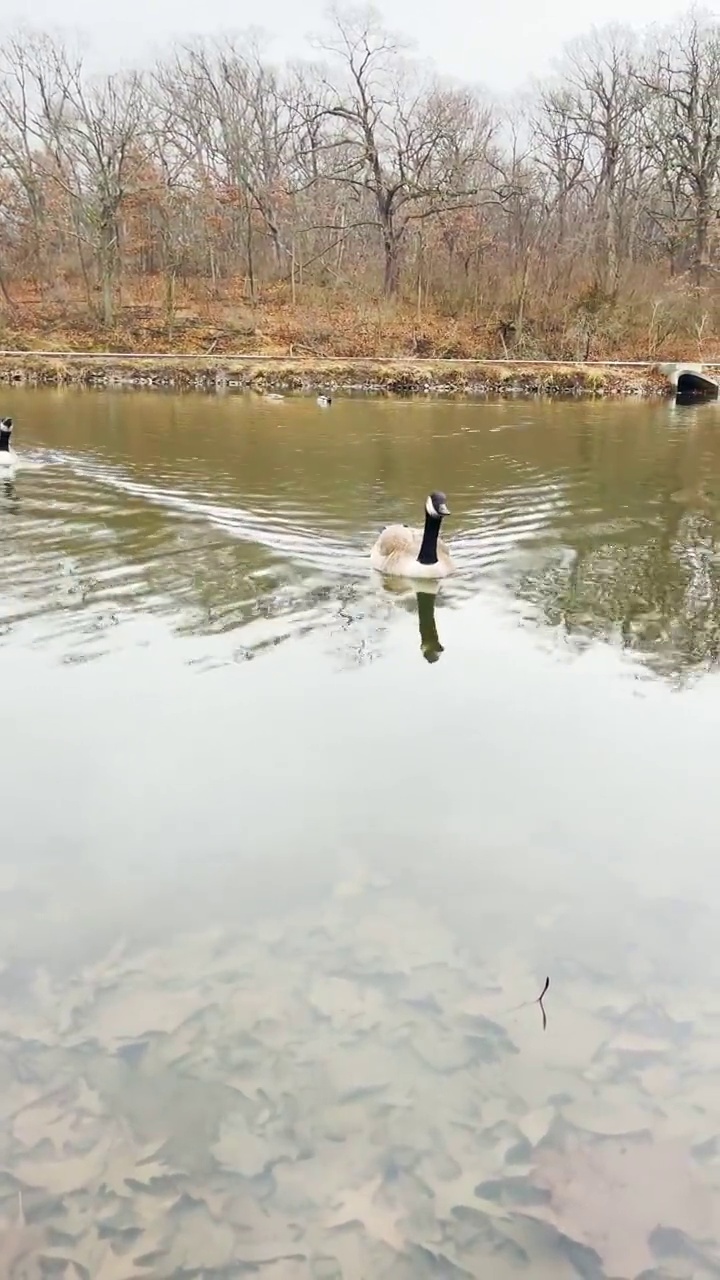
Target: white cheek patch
[{"x": 429, "y": 507}]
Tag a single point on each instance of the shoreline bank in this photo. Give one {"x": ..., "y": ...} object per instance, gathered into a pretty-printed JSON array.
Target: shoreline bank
[{"x": 371, "y": 376}]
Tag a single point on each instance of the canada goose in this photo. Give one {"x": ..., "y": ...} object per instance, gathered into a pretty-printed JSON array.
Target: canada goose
[
  {"x": 324, "y": 401},
  {"x": 415, "y": 553},
  {"x": 8, "y": 457}
]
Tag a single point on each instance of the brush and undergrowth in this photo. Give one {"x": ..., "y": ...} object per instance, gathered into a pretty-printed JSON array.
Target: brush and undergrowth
[{"x": 331, "y": 341}]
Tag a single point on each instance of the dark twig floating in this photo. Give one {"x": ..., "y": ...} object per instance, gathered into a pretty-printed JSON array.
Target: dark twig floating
[{"x": 538, "y": 1000}]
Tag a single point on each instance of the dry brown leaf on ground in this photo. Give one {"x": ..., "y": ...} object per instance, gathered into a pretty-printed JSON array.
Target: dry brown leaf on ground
[
  {"x": 367, "y": 1206},
  {"x": 610, "y": 1195}
]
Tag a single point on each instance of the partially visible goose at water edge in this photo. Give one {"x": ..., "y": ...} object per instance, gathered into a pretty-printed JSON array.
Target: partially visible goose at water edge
[
  {"x": 8, "y": 457},
  {"x": 403, "y": 552},
  {"x": 324, "y": 401}
]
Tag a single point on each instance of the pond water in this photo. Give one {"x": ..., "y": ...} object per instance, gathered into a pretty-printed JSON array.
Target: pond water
[{"x": 287, "y": 853}]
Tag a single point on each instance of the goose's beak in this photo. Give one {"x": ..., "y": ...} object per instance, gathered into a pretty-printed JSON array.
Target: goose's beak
[{"x": 444, "y": 509}]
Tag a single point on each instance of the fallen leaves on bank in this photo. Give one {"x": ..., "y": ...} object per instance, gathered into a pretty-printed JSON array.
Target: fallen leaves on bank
[{"x": 344, "y": 1094}]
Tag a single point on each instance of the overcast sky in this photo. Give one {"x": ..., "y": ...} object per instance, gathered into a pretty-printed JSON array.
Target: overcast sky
[{"x": 496, "y": 44}]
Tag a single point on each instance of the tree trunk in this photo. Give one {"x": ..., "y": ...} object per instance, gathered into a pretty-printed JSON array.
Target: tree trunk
[
  {"x": 391, "y": 248},
  {"x": 607, "y": 266},
  {"x": 170, "y": 299},
  {"x": 249, "y": 251},
  {"x": 702, "y": 236},
  {"x": 37, "y": 215},
  {"x": 107, "y": 261}
]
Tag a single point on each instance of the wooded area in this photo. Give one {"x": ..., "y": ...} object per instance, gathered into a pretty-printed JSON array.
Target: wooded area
[{"x": 357, "y": 203}]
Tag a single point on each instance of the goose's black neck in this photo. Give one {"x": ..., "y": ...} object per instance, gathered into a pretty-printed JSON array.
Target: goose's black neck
[
  {"x": 428, "y": 547},
  {"x": 5, "y": 433}
]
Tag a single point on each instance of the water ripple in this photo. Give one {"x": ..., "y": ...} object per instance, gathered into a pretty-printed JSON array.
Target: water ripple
[{"x": 243, "y": 529}]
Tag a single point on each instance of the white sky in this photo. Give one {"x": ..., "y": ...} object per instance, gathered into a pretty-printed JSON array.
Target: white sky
[{"x": 498, "y": 45}]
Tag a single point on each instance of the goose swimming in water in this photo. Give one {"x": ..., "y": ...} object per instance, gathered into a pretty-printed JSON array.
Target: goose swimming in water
[
  {"x": 8, "y": 457},
  {"x": 324, "y": 401},
  {"x": 402, "y": 552}
]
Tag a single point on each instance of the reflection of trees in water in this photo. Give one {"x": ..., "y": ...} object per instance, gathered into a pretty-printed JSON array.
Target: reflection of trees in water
[{"x": 660, "y": 598}]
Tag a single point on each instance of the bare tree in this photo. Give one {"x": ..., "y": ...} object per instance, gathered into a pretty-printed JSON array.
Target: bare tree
[
  {"x": 560, "y": 144},
  {"x": 601, "y": 101},
  {"x": 170, "y": 192},
  {"x": 19, "y": 156},
  {"x": 409, "y": 148},
  {"x": 89, "y": 133},
  {"x": 682, "y": 77},
  {"x": 562, "y": 225},
  {"x": 231, "y": 119}
]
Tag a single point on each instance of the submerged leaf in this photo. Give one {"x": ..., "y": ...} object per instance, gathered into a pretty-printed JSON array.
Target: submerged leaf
[
  {"x": 611, "y": 1195},
  {"x": 195, "y": 1241},
  {"x": 367, "y": 1206},
  {"x": 135, "y": 1167},
  {"x": 18, "y": 1241},
  {"x": 46, "y": 1122},
  {"x": 97, "y": 1258},
  {"x": 124, "y": 1015},
  {"x": 241, "y": 1150},
  {"x": 73, "y": 1173}
]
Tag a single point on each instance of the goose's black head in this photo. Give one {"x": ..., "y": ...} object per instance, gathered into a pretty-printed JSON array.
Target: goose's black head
[
  {"x": 436, "y": 505},
  {"x": 6, "y": 426}
]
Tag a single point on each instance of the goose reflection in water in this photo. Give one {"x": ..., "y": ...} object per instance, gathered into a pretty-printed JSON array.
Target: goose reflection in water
[
  {"x": 425, "y": 595},
  {"x": 430, "y": 645},
  {"x": 8, "y": 492}
]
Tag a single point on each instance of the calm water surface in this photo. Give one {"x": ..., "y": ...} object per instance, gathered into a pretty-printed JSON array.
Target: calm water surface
[{"x": 283, "y": 848}]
